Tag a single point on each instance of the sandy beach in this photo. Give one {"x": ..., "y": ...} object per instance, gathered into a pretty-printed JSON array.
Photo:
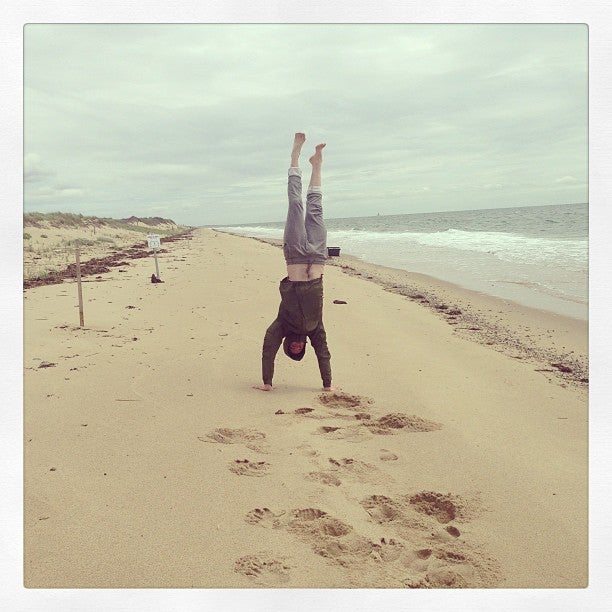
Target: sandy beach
[{"x": 453, "y": 452}]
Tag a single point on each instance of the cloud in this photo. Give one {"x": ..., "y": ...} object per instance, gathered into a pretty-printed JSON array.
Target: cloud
[
  {"x": 54, "y": 192},
  {"x": 34, "y": 170},
  {"x": 197, "y": 119}
]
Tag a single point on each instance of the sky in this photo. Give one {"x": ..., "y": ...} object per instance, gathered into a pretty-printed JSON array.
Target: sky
[{"x": 194, "y": 122}]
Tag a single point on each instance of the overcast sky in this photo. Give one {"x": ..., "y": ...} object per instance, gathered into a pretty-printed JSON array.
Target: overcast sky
[{"x": 195, "y": 122}]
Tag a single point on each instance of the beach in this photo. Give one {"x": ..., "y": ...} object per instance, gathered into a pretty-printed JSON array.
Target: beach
[{"x": 453, "y": 452}]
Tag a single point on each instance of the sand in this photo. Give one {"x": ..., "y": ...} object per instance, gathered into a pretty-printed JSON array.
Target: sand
[{"x": 452, "y": 454}]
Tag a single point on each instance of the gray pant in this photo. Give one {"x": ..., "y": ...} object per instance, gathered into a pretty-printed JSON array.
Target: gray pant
[{"x": 305, "y": 238}]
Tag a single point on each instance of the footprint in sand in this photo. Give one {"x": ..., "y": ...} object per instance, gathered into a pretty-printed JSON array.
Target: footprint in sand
[
  {"x": 264, "y": 517},
  {"x": 264, "y": 568},
  {"x": 387, "y": 455},
  {"x": 438, "y": 578},
  {"x": 357, "y": 416},
  {"x": 395, "y": 421},
  {"x": 309, "y": 413},
  {"x": 244, "y": 467},
  {"x": 252, "y": 439},
  {"x": 351, "y": 402},
  {"x": 444, "y": 508},
  {"x": 307, "y": 451},
  {"x": 385, "y": 425},
  {"x": 417, "y": 510},
  {"x": 353, "y": 468},
  {"x": 324, "y": 477},
  {"x": 317, "y": 522},
  {"x": 381, "y": 508},
  {"x": 452, "y": 566},
  {"x": 329, "y": 536},
  {"x": 405, "y": 521},
  {"x": 225, "y": 435},
  {"x": 356, "y": 469},
  {"x": 344, "y": 400},
  {"x": 353, "y": 433},
  {"x": 416, "y": 561},
  {"x": 434, "y": 560},
  {"x": 303, "y": 410},
  {"x": 351, "y": 551},
  {"x": 389, "y": 549},
  {"x": 338, "y": 542}
]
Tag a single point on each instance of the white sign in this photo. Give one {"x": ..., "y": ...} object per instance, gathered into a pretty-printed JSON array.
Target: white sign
[{"x": 154, "y": 241}]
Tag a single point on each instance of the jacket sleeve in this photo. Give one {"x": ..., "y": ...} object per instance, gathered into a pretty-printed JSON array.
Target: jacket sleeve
[
  {"x": 318, "y": 339},
  {"x": 272, "y": 341}
]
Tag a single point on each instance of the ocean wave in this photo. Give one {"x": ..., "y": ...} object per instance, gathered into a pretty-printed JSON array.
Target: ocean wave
[
  {"x": 520, "y": 254},
  {"x": 505, "y": 246}
]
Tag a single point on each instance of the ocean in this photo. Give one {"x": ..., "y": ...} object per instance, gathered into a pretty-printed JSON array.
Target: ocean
[{"x": 534, "y": 255}]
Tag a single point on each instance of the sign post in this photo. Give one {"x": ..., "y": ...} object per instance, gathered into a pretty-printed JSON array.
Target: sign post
[{"x": 154, "y": 242}]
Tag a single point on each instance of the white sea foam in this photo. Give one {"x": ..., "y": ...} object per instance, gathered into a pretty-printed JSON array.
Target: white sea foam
[
  {"x": 508, "y": 247},
  {"x": 504, "y": 246}
]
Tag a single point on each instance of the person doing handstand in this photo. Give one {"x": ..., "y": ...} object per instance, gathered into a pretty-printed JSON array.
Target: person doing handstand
[{"x": 300, "y": 315}]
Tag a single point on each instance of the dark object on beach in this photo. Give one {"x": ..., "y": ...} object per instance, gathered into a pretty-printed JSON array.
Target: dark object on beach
[
  {"x": 562, "y": 368},
  {"x": 46, "y": 364},
  {"x": 303, "y": 410},
  {"x": 333, "y": 251},
  {"x": 339, "y": 302},
  {"x": 453, "y": 531},
  {"x": 154, "y": 279}
]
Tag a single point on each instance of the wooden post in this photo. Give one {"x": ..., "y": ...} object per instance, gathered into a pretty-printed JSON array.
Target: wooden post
[
  {"x": 78, "y": 272},
  {"x": 156, "y": 266}
]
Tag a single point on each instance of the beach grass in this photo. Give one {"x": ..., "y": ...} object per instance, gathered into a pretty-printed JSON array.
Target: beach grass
[{"x": 50, "y": 239}]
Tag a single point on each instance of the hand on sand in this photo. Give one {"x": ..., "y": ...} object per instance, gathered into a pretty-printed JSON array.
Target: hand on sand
[
  {"x": 329, "y": 388},
  {"x": 263, "y": 387}
]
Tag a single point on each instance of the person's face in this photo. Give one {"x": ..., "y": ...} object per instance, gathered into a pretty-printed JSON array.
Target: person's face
[{"x": 296, "y": 347}]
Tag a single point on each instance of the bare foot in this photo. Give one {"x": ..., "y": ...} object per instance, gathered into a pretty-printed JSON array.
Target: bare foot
[
  {"x": 317, "y": 158},
  {"x": 263, "y": 387},
  {"x": 298, "y": 141}
]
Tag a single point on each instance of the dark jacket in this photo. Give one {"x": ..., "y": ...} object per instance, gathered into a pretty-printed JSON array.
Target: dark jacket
[{"x": 300, "y": 312}]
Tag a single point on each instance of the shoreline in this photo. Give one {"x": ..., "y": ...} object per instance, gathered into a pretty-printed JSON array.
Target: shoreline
[
  {"x": 558, "y": 285},
  {"x": 559, "y": 343}
]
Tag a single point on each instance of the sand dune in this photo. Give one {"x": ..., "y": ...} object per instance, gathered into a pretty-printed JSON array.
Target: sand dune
[{"x": 50, "y": 240}]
